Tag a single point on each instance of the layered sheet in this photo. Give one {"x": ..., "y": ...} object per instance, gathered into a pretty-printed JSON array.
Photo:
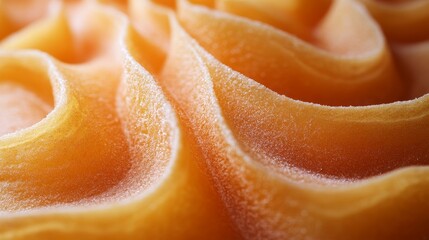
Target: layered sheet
[{"x": 226, "y": 119}]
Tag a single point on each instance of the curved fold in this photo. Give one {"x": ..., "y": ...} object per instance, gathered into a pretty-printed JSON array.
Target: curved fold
[
  {"x": 111, "y": 160},
  {"x": 300, "y": 70},
  {"x": 214, "y": 119},
  {"x": 269, "y": 199}
]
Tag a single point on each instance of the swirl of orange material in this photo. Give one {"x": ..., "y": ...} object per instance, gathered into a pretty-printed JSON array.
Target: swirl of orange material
[{"x": 214, "y": 119}]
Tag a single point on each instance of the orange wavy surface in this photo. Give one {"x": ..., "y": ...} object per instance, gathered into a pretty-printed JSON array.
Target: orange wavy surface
[{"x": 214, "y": 119}]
